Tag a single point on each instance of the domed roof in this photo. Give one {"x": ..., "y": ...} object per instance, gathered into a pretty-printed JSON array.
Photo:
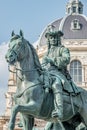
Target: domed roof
[
  {"x": 74, "y": 26},
  {"x": 72, "y": 32}
]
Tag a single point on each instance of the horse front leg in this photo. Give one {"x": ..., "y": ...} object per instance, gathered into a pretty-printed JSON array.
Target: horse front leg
[
  {"x": 31, "y": 109},
  {"x": 14, "y": 112},
  {"x": 27, "y": 121}
]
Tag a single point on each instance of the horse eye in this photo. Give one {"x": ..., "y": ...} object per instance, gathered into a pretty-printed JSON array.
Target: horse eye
[{"x": 51, "y": 37}]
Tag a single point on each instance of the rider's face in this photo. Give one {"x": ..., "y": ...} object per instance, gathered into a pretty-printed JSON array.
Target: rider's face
[{"x": 53, "y": 40}]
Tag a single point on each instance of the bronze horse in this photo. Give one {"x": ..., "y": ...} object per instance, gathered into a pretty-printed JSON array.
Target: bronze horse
[{"x": 30, "y": 97}]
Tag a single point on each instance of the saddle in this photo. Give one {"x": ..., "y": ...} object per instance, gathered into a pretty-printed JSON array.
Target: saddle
[{"x": 47, "y": 78}]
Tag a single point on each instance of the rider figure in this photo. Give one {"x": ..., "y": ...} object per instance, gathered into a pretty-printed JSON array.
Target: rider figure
[{"x": 56, "y": 61}]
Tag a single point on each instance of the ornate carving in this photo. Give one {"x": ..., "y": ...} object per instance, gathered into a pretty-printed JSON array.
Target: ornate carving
[
  {"x": 82, "y": 58},
  {"x": 75, "y": 43}
]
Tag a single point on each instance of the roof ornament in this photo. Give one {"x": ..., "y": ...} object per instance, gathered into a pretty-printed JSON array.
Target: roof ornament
[
  {"x": 51, "y": 28},
  {"x": 77, "y": 1}
]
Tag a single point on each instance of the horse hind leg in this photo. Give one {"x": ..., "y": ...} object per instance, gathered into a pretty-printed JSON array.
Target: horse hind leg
[
  {"x": 83, "y": 114},
  {"x": 84, "y": 118},
  {"x": 68, "y": 126}
]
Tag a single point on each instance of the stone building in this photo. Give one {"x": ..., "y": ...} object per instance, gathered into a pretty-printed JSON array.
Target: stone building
[{"x": 74, "y": 27}]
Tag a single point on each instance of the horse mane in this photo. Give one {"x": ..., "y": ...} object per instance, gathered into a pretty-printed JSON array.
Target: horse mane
[
  {"x": 34, "y": 53},
  {"x": 35, "y": 56}
]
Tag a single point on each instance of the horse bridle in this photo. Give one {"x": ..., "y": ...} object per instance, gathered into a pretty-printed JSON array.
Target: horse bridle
[
  {"x": 18, "y": 50},
  {"x": 20, "y": 94},
  {"x": 17, "y": 69}
]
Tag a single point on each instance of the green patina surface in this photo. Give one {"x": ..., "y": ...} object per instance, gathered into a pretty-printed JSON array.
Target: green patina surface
[{"x": 46, "y": 92}]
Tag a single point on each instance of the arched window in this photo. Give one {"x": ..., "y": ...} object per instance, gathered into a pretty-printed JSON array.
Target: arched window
[
  {"x": 74, "y": 9},
  {"x": 76, "y": 71}
]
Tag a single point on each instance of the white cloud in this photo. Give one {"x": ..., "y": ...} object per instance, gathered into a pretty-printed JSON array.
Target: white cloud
[{"x": 3, "y": 76}]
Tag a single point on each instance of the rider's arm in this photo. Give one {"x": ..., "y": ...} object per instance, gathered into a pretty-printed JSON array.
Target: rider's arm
[
  {"x": 44, "y": 62},
  {"x": 64, "y": 59}
]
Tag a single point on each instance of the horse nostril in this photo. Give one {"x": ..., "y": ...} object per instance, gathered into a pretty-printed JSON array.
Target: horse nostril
[{"x": 11, "y": 56}]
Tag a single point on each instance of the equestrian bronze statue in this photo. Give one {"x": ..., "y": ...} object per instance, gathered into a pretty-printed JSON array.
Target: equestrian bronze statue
[{"x": 45, "y": 91}]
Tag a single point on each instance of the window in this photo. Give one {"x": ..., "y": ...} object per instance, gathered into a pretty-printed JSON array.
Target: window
[
  {"x": 76, "y": 71},
  {"x": 75, "y": 25},
  {"x": 80, "y": 10},
  {"x": 74, "y": 9},
  {"x": 68, "y": 10}
]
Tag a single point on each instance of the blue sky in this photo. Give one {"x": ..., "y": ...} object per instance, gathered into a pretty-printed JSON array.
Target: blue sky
[{"x": 32, "y": 16}]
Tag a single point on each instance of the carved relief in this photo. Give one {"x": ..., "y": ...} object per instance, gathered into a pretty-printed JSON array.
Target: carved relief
[
  {"x": 82, "y": 59},
  {"x": 75, "y": 43}
]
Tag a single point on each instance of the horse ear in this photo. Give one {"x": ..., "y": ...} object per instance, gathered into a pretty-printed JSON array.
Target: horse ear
[
  {"x": 12, "y": 34},
  {"x": 21, "y": 33}
]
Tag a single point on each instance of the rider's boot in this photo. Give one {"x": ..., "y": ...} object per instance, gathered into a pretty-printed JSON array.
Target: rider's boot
[{"x": 58, "y": 103}]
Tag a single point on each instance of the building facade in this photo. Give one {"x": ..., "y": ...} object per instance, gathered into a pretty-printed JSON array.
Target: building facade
[{"x": 74, "y": 27}]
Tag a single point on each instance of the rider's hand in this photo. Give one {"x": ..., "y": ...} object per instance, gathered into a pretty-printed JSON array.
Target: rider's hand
[{"x": 48, "y": 60}]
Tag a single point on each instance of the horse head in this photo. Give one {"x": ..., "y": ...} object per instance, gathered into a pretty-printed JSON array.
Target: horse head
[
  {"x": 23, "y": 53},
  {"x": 17, "y": 48}
]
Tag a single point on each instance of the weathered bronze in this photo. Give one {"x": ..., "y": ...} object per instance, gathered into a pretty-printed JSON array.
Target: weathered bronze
[
  {"x": 32, "y": 99},
  {"x": 55, "y": 63}
]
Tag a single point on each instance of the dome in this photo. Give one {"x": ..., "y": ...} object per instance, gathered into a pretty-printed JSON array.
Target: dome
[{"x": 73, "y": 27}]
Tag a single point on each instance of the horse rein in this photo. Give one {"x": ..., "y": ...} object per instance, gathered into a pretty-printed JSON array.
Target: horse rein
[
  {"x": 21, "y": 69},
  {"x": 20, "y": 94},
  {"x": 15, "y": 72}
]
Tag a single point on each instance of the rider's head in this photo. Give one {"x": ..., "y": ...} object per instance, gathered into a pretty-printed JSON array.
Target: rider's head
[{"x": 54, "y": 37}]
